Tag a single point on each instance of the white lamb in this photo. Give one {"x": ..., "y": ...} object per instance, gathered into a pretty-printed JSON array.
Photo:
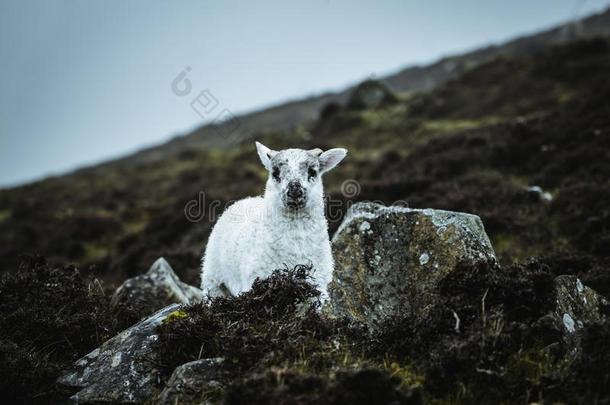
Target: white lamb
[{"x": 284, "y": 228}]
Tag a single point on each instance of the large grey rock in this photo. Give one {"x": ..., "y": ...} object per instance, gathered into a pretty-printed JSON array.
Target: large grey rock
[
  {"x": 389, "y": 260},
  {"x": 122, "y": 369},
  {"x": 192, "y": 383},
  {"x": 576, "y": 306},
  {"x": 156, "y": 289}
]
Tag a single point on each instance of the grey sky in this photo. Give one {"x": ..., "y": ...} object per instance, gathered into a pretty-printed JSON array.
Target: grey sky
[{"x": 84, "y": 81}]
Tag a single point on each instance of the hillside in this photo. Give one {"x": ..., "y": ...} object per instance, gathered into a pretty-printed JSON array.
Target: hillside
[{"x": 474, "y": 143}]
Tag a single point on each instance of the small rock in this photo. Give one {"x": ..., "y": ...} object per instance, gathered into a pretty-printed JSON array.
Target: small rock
[
  {"x": 156, "y": 289},
  {"x": 122, "y": 369},
  {"x": 191, "y": 382},
  {"x": 370, "y": 94},
  {"x": 576, "y": 307},
  {"x": 540, "y": 194},
  {"x": 384, "y": 268}
]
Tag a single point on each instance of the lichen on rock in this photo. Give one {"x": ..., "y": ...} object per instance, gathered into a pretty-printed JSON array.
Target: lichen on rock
[
  {"x": 123, "y": 368},
  {"x": 389, "y": 260},
  {"x": 192, "y": 382},
  {"x": 157, "y": 288},
  {"x": 576, "y": 307}
]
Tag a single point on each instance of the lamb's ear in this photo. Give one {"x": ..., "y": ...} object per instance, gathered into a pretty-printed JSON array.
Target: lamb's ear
[
  {"x": 265, "y": 154},
  {"x": 331, "y": 158}
]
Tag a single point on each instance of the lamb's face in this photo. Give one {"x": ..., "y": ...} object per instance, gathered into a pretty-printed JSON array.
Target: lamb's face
[{"x": 295, "y": 174}]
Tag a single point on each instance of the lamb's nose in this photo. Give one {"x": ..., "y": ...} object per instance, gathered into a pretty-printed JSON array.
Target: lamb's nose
[{"x": 295, "y": 190}]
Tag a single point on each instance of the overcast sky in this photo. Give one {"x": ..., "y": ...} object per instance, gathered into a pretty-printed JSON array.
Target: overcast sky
[{"x": 83, "y": 81}]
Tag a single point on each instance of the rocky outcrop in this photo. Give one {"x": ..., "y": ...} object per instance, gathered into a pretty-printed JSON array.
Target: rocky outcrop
[
  {"x": 389, "y": 260},
  {"x": 123, "y": 368},
  {"x": 193, "y": 382},
  {"x": 156, "y": 289}
]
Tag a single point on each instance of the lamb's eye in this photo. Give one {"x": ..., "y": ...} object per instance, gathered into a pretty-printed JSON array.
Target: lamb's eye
[
  {"x": 311, "y": 172},
  {"x": 276, "y": 174}
]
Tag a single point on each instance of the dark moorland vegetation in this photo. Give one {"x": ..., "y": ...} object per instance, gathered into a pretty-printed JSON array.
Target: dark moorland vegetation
[{"x": 476, "y": 144}]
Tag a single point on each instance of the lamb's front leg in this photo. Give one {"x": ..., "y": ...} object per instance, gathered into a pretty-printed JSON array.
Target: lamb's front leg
[
  {"x": 251, "y": 270},
  {"x": 323, "y": 269},
  {"x": 321, "y": 283}
]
